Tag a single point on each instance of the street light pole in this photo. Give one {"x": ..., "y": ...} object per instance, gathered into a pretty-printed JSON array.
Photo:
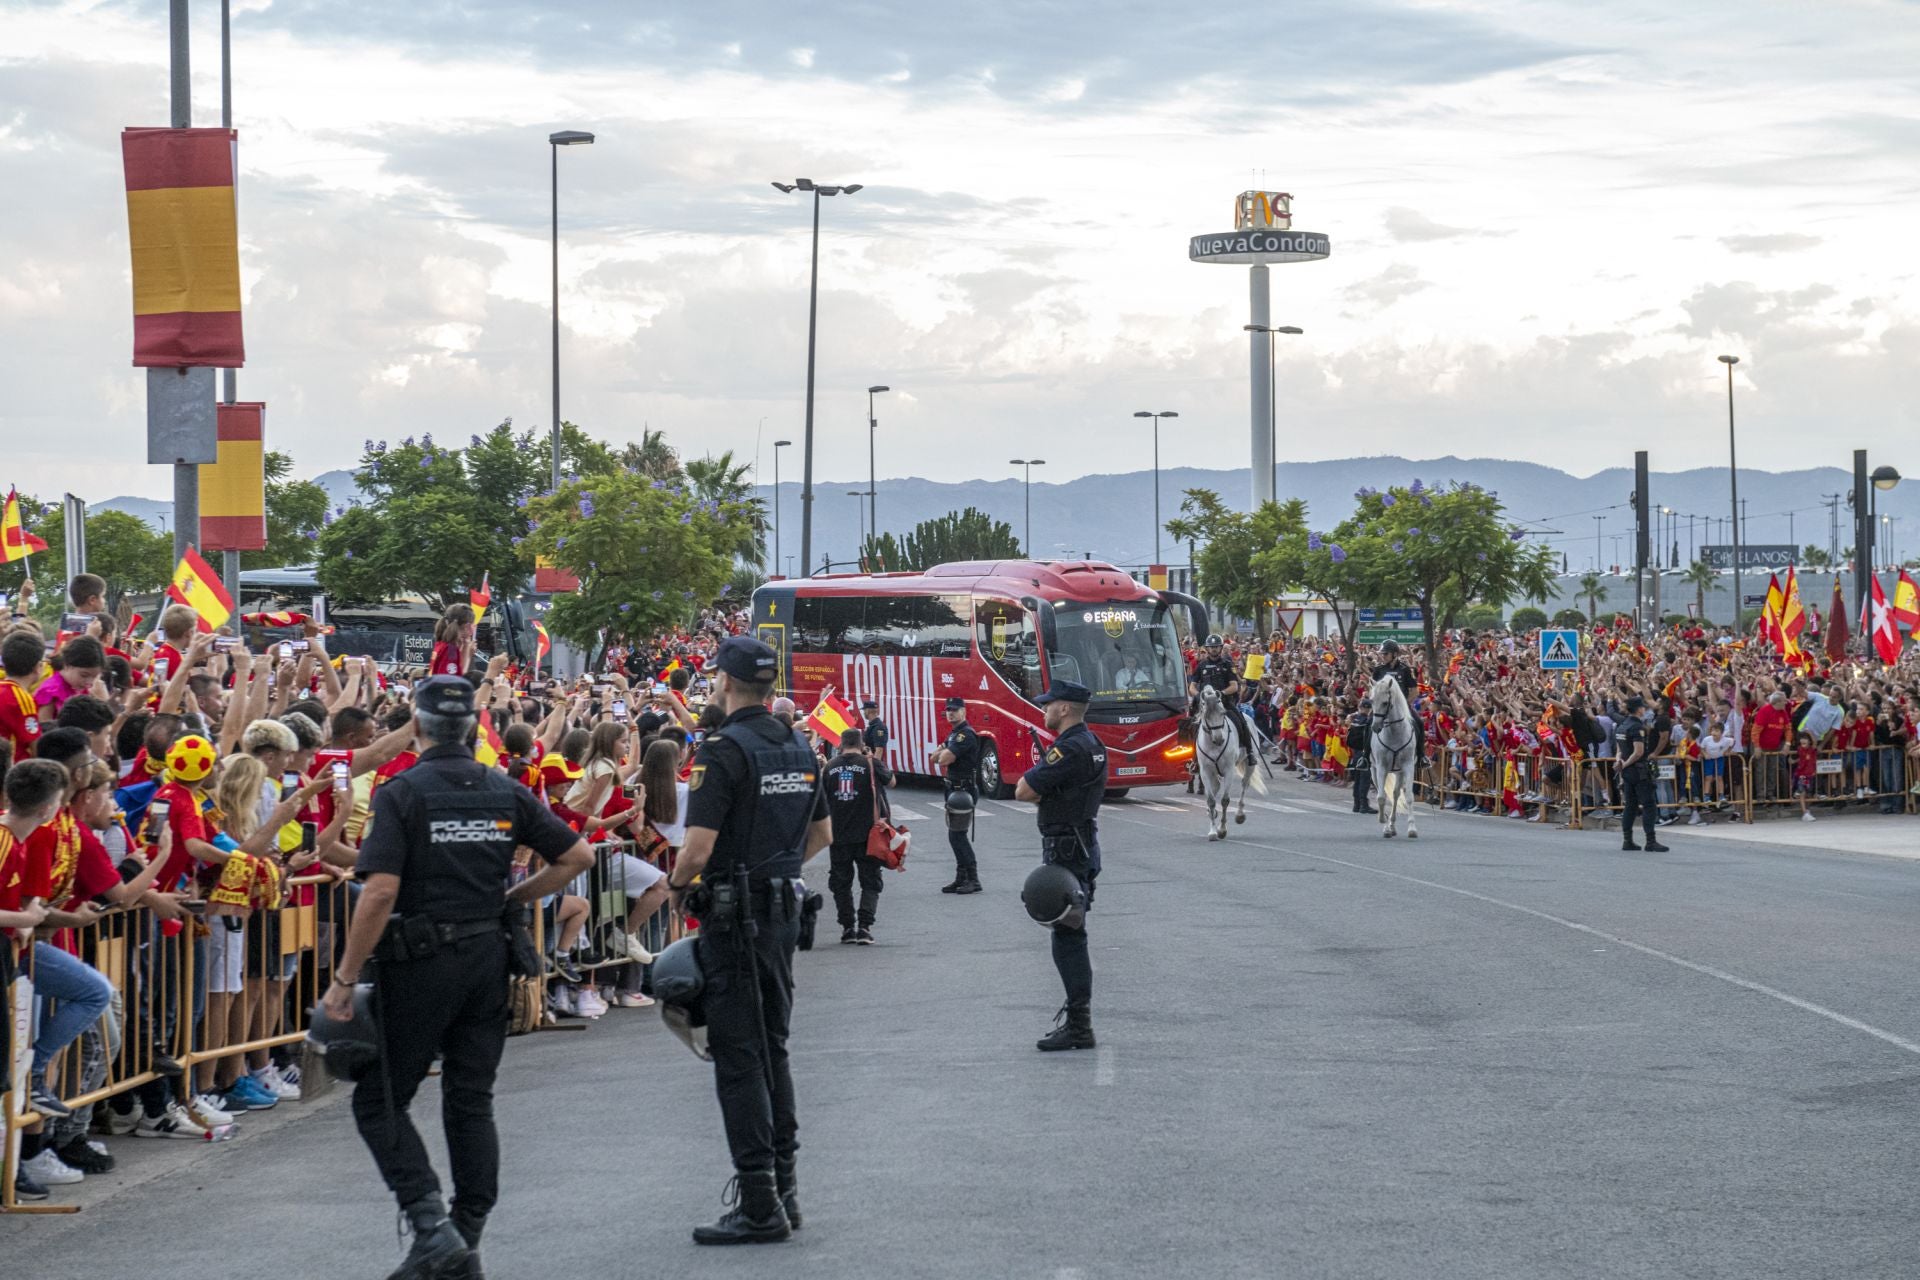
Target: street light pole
[
  {"x": 1733, "y": 521},
  {"x": 873, "y": 486},
  {"x": 1273, "y": 453},
  {"x": 813, "y": 314},
  {"x": 555, "y": 141},
  {"x": 860, "y": 516},
  {"x": 1168, "y": 413},
  {"x": 778, "y": 445},
  {"x": 1029, "y": 464}
]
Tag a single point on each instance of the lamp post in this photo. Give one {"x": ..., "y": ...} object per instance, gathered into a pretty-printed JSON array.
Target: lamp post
[
  {"x": 555, "y": 141},
  {"x": 860, "y": 514},
  {"x": 1733, "y": 511},
  {"x": 1883, "y": 479},
  {"x": 1029, "y": 464},
  {"x": 813, "y": 313},
  {"x": 778, "y": 445},
  {"x": 1168, "y": 413},
  {"x": 1273, "y": 454},
  {"x": 873, "y": 485}
]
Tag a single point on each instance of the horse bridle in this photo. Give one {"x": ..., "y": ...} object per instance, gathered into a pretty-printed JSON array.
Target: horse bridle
[{"x": 1393, "y": 754}]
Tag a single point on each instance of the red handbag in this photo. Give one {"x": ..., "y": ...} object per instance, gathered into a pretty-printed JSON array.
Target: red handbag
[{"x": 886, "y": 843}]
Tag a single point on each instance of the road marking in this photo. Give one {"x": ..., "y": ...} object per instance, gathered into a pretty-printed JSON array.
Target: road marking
[
  {"x": 1276, "y": 808},
  {"x": 1103, "y": 1064},
  {"x": 1157, "y": 806},
  {"x": 911, "y": 815},
  {"x": 1707, "y": 970}
]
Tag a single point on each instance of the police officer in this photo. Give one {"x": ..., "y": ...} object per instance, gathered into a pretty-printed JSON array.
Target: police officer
[
  {"x": 755, "y": 813},
  {"x": 1215, "y": 671},
  {"x": 1633, "y": 745},
  {"x": 1393, "y": 664},
  {"x": 959, "y": 755},
  {"x": 431, "y": 934},
  {"x": 874, "y": 732},
  {"x": 1359, "y": 756},
  {"x": 856, "y": 792},
  {"x": 1068, "y": 785}
]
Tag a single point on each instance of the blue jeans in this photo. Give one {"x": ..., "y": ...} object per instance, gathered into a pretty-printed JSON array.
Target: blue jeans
[{"x": 80, "y": 994}]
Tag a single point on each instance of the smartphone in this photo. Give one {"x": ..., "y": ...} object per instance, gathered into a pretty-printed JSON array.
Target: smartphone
[
  {"x": 309, "y": 836},
  {"x": 194, "y": 907},
  {"x": 76, "y": 622},
  {"x": 602, "y": 690},
  {"x": 537, "y": 687},
  {"x": 619, "y": 709},
  {"x": 660, "y": 687},
  {"x": 295, "y": 646},
  {"x": 698, "y": 736},
  {"x": 289, "y": 783},
  {"x": 225, "y": 644},
  {"x": 4, "y": 597},
  {"x": 157, "y": 817},
  {"x": 342, "y": 775}
]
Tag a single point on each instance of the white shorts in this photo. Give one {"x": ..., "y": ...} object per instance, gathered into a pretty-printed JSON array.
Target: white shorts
[
  {"x": 623, "y": 873},
  {"x": 226, "y": 956}
]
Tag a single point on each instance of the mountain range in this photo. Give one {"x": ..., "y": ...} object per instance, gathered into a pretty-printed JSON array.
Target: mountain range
[{"x": 1110, "y": 516}]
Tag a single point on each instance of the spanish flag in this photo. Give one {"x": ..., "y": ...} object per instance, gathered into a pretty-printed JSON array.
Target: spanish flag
[
  {"x": 1770, "y": 613},
  {"x": 281, "y": 619},
  {"x": 483, "y": 597},
  {"x": 1793, "y": 618},
  {"x": 488, "y": 750},
  {"x": 1337, "y": 750},
  {"x": 15, "y": 542},
  {"x": 668, "y": 670},
  {"x": 184, "y": 232},
  {"x": 197, "y": 586},
  {"x": 1453, "y": 666},
  {"x": 233, "y": 488},
  {"x": 543, "y": 643},
  {"x": 833, "y": 717},
  {"x": 1906, "y": 603}
]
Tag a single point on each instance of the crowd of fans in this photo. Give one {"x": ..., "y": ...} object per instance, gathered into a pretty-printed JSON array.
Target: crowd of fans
[
  {"x": 167, "y": 795},
  {"x": 1738, "y": 725}
]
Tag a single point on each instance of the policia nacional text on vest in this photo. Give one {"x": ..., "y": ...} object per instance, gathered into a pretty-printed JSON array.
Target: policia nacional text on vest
[
  {"x": 435, "y": 930},
  {"x": 756, "y": 811},
  {"x": 1068, "y": 783}
]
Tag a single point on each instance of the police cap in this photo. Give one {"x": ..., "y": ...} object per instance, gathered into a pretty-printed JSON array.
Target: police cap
[
  {"x": 745, "y": 658},
  {"x": 1064, "y": 691},
  {"x": 956, "y": 704},
  {"x": 869, "y": 704},
  {"x": 1635, "y": 703},
  {"x": 448, "y": 696}
]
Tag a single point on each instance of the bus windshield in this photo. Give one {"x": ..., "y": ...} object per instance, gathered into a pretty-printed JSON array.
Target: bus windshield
[{"x": 1122, "y": 652}]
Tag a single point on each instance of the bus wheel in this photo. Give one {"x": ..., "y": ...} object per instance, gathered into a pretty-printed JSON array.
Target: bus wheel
[
  {"x": 991, "y": 785},
  {"x": 1118, "y": 793}
]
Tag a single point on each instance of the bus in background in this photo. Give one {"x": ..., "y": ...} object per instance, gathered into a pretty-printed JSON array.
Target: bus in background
[{"x": 996, "y": 633}]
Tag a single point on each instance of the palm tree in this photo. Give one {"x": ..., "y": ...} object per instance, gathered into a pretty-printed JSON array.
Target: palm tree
[
  {"x": 1815, "y": 558},
  {"x": 653, "y": 457},
  {"x": 722, "y": 479},
  {"x": 1591, "y": 585},
  {"x": 1701, "y": 575}
]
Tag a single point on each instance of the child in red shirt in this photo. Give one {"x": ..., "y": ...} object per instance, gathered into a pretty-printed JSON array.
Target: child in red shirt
[{"x": 1805, "y": 762}]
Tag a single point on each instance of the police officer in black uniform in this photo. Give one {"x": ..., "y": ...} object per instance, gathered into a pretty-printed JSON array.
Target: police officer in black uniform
[
  {"x": 960, "y": 756},
  {"x": 432, "y": 933},
  {"x": 755, "y": 813},
  {"x": 1393, "y": 664},
  {"x": 1633, "y": 745},
  {"x": 1068, "y": 784},
  {"x": 1217, "y": 672},
  {"x": 1359, "y": 756},
  {"x": 874, "y": 732}
]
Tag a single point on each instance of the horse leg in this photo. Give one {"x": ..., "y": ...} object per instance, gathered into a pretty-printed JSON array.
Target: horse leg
[{"x": 1413, "y": 811}]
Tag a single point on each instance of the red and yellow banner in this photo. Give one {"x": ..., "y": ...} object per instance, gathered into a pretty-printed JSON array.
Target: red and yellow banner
[
  {"x": 233, "y": 490},
  {"x": 482, "y": 597},
  {"x": 197, "y": 586},
  {"x": 543, "y": 643},
  {"x": 184, "y": 232},
  {"x": 833, "y": 717},
  {"x": 15, "y": 542}
]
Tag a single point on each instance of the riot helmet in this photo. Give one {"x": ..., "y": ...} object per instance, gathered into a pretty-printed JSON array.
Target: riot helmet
[
  {"x": 959, "y": 810},
  {"x": 1214, "y": 641},
  {"x": 347, "y": 1049},
  {"x": 680, "y": 983},
  {"x": 1391, "y": 649},
  {"x": 1053, "y": 896}
]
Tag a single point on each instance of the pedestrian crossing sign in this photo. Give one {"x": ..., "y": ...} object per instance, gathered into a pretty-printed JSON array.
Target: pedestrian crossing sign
[{"x": 1559, "y": 650}]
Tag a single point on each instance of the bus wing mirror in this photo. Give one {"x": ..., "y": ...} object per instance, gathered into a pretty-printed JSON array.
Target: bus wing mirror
[
  {"x": 1196, "y": 611},
  {"x": 1049, "y": 631}
]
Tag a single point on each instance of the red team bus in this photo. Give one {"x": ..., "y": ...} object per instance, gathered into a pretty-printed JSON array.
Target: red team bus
[{"x": 996, "y": 633}]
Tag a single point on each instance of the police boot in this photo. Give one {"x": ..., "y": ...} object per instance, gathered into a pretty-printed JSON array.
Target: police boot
[
  {"x": 1072, "y": 1029},
  {"x": 783, "y": 1177},
  {"x": 1654, "y": 846},
  {"x": 1628, "y": 846},
  {"x": 438, "y": 1252},
  {"x": 969, "y": 881},
  {"x": 470, "y": 1225},
  {"x": 754, "y": 1215}
]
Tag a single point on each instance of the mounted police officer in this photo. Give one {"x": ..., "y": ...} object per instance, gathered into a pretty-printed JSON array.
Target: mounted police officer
[
  {"x": 1633, "y": 743},
  {"x": 434, "y": 931},
  {"x": 755, "y": 813},
  {"x": 1068, "y": 784},
  {"x": 1216, "y": 671},
  {"x": 959, "y": 755},
  {"x": 1393, "y": 664}
]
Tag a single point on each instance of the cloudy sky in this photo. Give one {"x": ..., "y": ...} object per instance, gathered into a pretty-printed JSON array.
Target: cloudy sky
[{"x": 1547, "y": 219}]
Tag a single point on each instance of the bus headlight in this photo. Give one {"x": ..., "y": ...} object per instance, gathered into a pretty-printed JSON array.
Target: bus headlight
[{"x": 1181, "y": 752}]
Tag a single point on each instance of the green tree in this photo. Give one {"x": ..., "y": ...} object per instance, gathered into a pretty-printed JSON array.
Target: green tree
[
  {"x": 1700, "y": 576},
  {"x": 1528, "y": 619},
  {"x": 1442, "y": 550},
  {"x": 649, "y": 555},
  {"x": 1227, "y": 542},
  {"x": 1305, "y": 560},
  {"x": 959, "y": 535},
  {"x": 1569, "y": 618},
  {"x": 722, "y": 479},
  {"x": 1815, "y": 558},
  {"x": 296, "y": 512},
  {"x": 123, "y": 549},
  {"x": 652, "y": 457},
  {"x": 1592, "y": 586}
]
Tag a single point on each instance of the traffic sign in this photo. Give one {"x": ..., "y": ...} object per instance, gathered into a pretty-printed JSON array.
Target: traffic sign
[
  {"x": 1560, "y": 650},
  {"x": 1380, "y": 635}
]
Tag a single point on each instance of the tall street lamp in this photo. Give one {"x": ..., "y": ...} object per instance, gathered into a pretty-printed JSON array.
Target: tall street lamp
[
  {"x": 1733, "y": 521},
  {"x": 778, "y": 445},
  {"x": 1273, "y": 394},
  {"x": 1029, "y": 464},
  {"x": 813, "y": 313},
  {"x": 555, "y": 141},
  {"x": 873, "y": 485},
  {"x": 1142, "y": 413},
  {"x": 860, "y": 514}
]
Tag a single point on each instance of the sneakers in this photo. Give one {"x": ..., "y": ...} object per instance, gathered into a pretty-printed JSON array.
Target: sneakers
[
  {"x": 290, "y": 1074},
  {"x": 850, "y": 935},
  {"x": 1696, "y": 820},
  {"x": 47, "y": 1103},
  {"x": 589, "y": 1004},
  {"x": 561, "y": 1000},
  {"x": 177, "y": 1122},
  {"x": 206, "y": 1111},
  {"x": 863, "y": 936},
  {"x": 1806, "y": 817},
  {"x": 87, "y": 1157},
  {"x": 564, "y": 966},
  {"x": 116, "y": 1124},
  {"x": 49, "y": 1170},
  {"x": 252, "y": 1094},
  {"x": 633, "y": 1000},
  {"x": 625, "y": 944},
  {"x": 25, "y": 1188},
  {"x": 1667, "y": 820},
  {"x": 270, "y": 1078}
]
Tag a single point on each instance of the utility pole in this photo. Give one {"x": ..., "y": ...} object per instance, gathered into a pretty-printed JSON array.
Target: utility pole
[
  {"x": 229, "y": 390},
  {"x": 1833, "y": 525},
  {"x": 186, "y": 475}
]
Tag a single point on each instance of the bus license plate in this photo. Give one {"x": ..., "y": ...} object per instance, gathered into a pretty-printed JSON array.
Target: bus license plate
[{"x": 1131, "y": 771}]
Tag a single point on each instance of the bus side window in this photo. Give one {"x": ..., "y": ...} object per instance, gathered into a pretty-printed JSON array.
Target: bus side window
[{"x": 1005, "y": 634}]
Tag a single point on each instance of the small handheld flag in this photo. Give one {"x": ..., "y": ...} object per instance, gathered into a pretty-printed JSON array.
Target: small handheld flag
[
  {"x": 483, "y": 597},
  {"x": 15, "y": 542},
  {"x": 543, "y": 643},
  {"x": 197, "y": 586},
  {"x": 833, "y": 717}
]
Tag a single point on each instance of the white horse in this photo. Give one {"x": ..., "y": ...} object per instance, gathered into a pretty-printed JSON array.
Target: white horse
[
  {"x": 1216, "y": 753},
  {"x": 1392, "y": 747}
]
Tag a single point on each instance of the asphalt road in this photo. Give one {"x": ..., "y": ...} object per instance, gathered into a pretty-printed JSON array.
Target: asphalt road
[{"x": 1501, "y": 1051}]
